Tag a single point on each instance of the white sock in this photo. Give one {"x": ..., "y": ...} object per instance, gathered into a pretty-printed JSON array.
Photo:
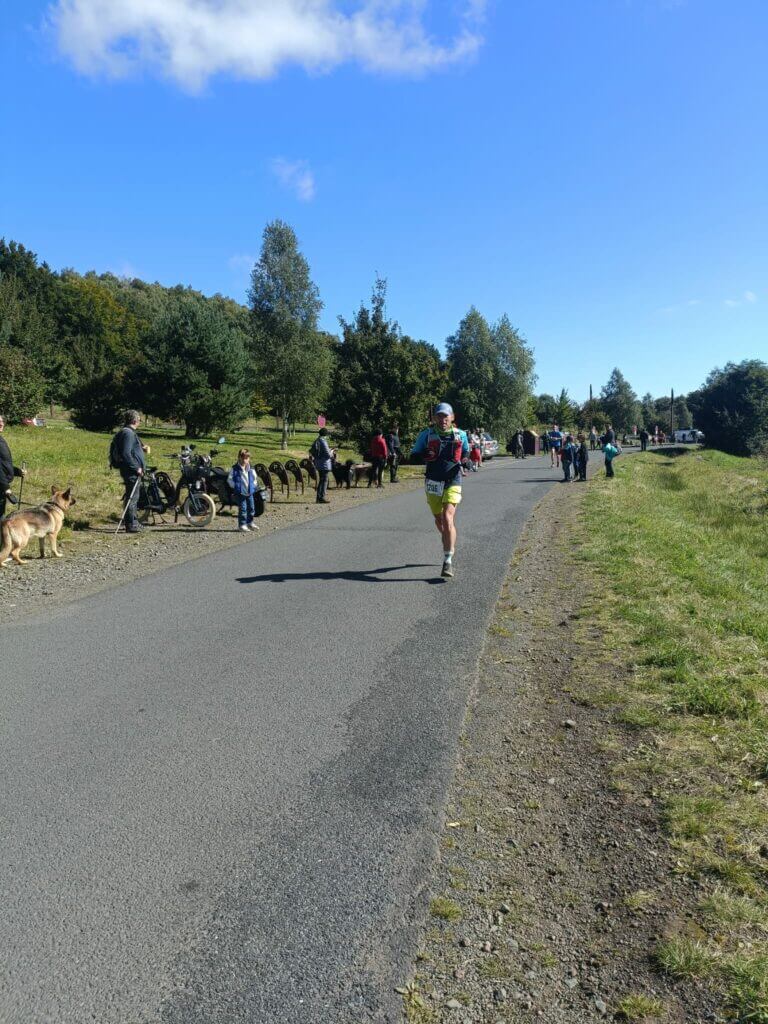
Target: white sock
[{"x": 447, "y": 556}]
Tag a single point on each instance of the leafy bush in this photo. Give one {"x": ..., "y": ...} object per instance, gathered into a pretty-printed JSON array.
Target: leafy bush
[{"x": 21, "y": 385}]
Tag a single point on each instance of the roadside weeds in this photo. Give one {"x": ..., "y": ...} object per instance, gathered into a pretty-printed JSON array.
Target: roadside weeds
[{"x": 555, "y": 887}]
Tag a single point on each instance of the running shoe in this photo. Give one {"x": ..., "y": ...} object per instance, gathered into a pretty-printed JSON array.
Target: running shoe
[{"x": 447, "y": 569}]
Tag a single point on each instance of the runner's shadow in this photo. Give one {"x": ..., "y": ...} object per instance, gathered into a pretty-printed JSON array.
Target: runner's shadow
[{"x": 360, "y": 576}]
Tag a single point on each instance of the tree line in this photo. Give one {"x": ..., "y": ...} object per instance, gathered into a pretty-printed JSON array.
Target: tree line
[
  {"x": 731, "y": 408},
  {"x": 97, "y": 343}
]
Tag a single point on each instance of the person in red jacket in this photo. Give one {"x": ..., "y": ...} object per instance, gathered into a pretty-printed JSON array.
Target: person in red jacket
[{"x": 379, "y": 454}]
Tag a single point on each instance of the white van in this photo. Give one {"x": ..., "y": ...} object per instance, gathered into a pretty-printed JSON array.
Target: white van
[{"x": 688, "y": 437}]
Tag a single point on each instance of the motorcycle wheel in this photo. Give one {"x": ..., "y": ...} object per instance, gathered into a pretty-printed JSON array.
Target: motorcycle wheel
[{"x": 199, "y": 509}]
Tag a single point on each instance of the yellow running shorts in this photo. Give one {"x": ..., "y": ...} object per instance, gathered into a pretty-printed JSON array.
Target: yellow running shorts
[{"x": 450, "y": 496}]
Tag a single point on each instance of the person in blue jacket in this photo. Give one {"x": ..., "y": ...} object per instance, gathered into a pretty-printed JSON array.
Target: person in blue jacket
[{"x": 244, "y": 482}]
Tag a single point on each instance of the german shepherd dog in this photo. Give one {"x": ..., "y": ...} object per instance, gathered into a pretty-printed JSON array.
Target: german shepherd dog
[{"x": 43, "y": 521}]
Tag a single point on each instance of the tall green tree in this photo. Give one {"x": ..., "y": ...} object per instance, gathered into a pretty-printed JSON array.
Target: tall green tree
[
  {"x": 491, "y": 373},
  {"x": 294, "y": 362},
  {"x": 620, "y": 402},
  {"x": 682, "y": 418},
  {"x": 564, "y": 413},
  {"x": 544, "y": 408},
  {"x": 21, "y": 385},
  {"x": 383, "y": 377},
  {"x": 515, "y": 377},
  {"x": 102, "y": 338},
  {"x": 648, "y": 413},
  {"x": 732, "y": 408},
  {"x": 196, "y": 368},
  {"x": 29, "y": 303}
]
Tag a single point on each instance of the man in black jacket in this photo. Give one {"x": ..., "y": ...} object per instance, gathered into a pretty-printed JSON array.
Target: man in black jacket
[
  {"x": 7, "y": 469},
  {"x": 394, "y": 452},
  {"x": 129, "y": 459}
]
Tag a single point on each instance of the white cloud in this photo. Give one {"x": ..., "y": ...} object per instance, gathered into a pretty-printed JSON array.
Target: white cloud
[
  {"x": 680, "y": 305},
  {"x": 750, "y": 297},
  {"x": 188, "y": 41},
  {"x": 297, "y": 176},
  {"x": 731, "y": 303}
]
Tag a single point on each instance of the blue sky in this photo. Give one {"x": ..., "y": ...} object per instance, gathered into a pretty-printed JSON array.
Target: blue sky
[{"x": 597, "y": 169}]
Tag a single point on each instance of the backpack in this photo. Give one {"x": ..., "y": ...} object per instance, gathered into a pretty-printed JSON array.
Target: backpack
[
  {"x": 314, "y": 449},
  {"x": 114, "y": 452}
]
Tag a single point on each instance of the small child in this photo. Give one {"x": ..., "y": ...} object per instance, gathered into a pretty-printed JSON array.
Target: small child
[
  {"x": 476, "y": 457},
  {"x": 244, "y": 482}
]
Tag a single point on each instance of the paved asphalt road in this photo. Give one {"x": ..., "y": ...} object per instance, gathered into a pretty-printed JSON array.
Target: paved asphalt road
[{"x": 222, "y": 785}]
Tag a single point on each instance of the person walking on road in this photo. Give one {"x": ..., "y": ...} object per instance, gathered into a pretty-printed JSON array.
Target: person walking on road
[
  {"x": 443, "y": 446},
  {"x": 519, "y": 445},
  {"x": 555, "y": 446},
  {"x": 394, "y": 452},
  {"x": 379, "y": 455},
  {"x": 244, "y": 482},
  {"x": 322, "y": 459},
  {"x": 127, "y": 455},
  {"x": 593, "y": 438},
  {"x": 7, "y": 469},
  {"x": 644, "y": 435}
]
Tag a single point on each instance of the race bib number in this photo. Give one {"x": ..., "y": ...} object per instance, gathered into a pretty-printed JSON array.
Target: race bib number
[{"x": 435, "y": 487}]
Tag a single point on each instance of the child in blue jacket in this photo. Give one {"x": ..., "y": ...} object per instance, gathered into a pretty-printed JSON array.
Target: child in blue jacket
[{"x": 244, "y": 482}]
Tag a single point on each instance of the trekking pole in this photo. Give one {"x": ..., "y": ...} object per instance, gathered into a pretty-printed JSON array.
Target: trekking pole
[
  {"x": 21, "y": 485},
  {"x": 125, "y": 510}
]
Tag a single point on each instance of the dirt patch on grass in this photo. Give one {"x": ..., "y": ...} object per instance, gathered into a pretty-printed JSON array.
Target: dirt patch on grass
[
  {"x": 95, "y": 559},
  {"x": 559, "y": 883}
]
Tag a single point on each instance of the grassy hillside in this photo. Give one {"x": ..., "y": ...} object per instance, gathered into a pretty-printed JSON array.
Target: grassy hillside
[{"x": 680, "y": 549}]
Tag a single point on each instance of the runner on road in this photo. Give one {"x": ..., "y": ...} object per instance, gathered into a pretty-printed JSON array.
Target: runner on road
[
  {"x": 555, "y": 445},
  {"x": 443, "y": 446}
]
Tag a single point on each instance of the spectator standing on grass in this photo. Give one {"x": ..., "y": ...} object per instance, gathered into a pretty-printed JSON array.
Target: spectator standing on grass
[
  {"x": 610, "y": 451},
  {"x": 322, "y": 459},
  {"x": 644, "y": 435},
  {"x": 127, "y": 456},
  {"x": 394, "y": 452},
  {"x": 244, "y": 482},
  {"x": 7, "y": 469},
  {"x": 582, "y": 457},
  {"x": 379, "y": 454},
  {"x": 610, "y": 435}
]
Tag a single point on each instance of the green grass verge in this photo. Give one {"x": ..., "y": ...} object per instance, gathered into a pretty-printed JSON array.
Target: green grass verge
[
  {"x": 62, "y": 454},
  {"x": 679, "y": 546}
]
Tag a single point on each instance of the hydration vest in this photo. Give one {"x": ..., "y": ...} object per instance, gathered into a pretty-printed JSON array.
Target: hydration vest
[{"x": 443, "y": 456}]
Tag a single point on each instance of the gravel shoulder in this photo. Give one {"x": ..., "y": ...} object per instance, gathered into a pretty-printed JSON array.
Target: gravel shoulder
[
  {"x": 96, "y": 559},
  {"x": 553, "y": 884}
]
